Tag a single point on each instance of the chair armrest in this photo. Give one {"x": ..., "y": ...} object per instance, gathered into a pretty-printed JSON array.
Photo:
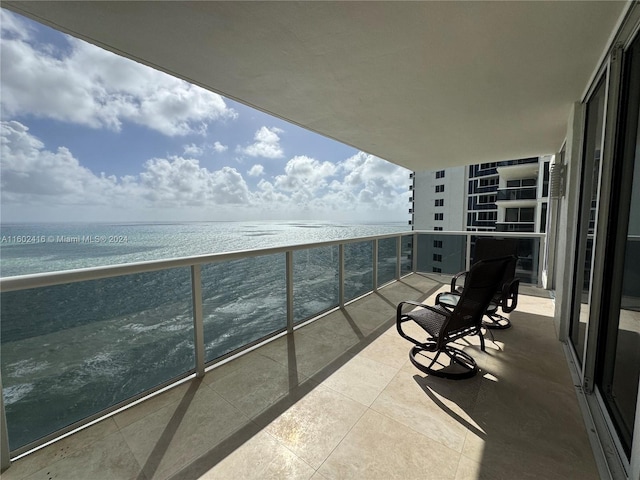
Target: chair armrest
[
  {"x": 455, "y": 278},
  {"x": 421, "y": 305},
  {"x": 510, "y": 295}
]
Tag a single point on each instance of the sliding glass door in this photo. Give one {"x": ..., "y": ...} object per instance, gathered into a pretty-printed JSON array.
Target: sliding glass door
[
  {"x": 618, "y": 358},
  {"x": 587, "y": 219}
]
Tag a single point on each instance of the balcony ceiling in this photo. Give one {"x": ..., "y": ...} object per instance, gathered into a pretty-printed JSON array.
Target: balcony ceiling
[{"x": 421, "y": 84}]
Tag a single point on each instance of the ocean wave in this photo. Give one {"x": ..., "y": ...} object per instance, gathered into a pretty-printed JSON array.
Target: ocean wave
[
  {"x": 16, "y": 392},
  {"x": 26, "y": 367}
]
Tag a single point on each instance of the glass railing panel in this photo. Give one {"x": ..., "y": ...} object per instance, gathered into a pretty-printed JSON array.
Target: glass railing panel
[
  {"x": 517, "y": 194},
  {"x": 71, "y": 351},
  {"x": 444, "y": 254},
  {"x": 406, "y": 254},
  {"x": 387, "y": 260},
  {"x": 242, "y": 301},
  {"x": 528, "y": 260},
  {"x": 315, "y": 281},
  {"x": 358, "y": 269}
]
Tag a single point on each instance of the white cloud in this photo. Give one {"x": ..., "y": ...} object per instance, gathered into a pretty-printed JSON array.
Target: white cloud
[
  {"x": 193, "y": 150},
  {"x": 305, "y": 173},
  {"x": 256, "y": 171},
  {"x": 35, "y": 176},
  {"x": 90, "y": 86},
  {"x": 32, "y": 174},
  {"x": 220, "y": 148},
  {"x": 267, "y": 144},
  {"x": 375, "y": 181},
  {"x": 183, "y": 182}
]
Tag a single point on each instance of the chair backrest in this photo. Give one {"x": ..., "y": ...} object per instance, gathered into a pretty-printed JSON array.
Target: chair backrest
[
  {"x": 483, "y": 280},
  {"x": 489, "y": 247}
]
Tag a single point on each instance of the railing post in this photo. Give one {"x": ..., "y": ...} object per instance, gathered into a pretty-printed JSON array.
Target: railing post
[
  {"x": 341, "y": 275},
  {"x": 198, "y": 322},
  {"x": 414, "y": 253},
  {"x": 468, "y": 253},
  {"x": 5, "y": 460},
  {"x": 289, "y": 282},
  {"x": 375, "y": 265},
  {"x": 541, "y": 252},
  {"x": 398, "y": 256}
]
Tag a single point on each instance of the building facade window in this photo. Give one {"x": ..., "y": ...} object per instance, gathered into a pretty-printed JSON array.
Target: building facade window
[
  {"x": 519, "y": 215},
  {"x": 437, "y": 257},
  {"x": 437, "y": 244},
  {"x": 487, "y": 198},
  {"x": 438, "y": 216},
  {"x": 439, "y": 188},
  {"x": 440, "y": 174},
  {"x": 489, "y": 182},
  {"x": 439, "y": 202},
  {"x": 437, "y": 229}
]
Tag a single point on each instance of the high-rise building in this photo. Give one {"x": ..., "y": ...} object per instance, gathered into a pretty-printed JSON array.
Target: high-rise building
[{"x": 508, "y": 196}]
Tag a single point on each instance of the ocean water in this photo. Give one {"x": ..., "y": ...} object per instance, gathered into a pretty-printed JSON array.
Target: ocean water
[
  {"x": 34, "y": 248},
  {"x": 71, "y": 351}
]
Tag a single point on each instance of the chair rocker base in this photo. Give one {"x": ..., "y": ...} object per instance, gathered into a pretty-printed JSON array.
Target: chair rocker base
[
  {"x": 495, "y": 321},
  {"x": 461, "y": 365}
]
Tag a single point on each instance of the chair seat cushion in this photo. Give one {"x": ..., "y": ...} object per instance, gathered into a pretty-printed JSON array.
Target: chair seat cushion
[{"x": 429, "y": 320}]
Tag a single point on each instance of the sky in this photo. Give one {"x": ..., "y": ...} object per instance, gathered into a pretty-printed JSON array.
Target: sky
[{"x": 87, "y": 135}]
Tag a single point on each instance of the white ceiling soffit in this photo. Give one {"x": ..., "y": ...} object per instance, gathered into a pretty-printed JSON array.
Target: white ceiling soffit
[{"x": 421, "y": 84}]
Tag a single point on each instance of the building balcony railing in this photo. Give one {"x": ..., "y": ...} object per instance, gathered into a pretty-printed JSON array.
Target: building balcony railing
[
  {"x": 517, "y": 194},
  {"x": 522, "y": 161},
  {"x": 80, "y": 344},
  {"x": 522, "y": 227}
]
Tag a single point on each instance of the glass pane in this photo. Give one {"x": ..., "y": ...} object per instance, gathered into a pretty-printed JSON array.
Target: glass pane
[
  {"x": 358, "y": 269},
  {"x": 452, "y": 251},
  {"x": 528, "y": 252},
  {"x": 242, "y": 301},
  {"x": 586, "y": 224},
  {"x": 619, "y": 346},
  {"x": 315, "y": 281},
  {"x": 511, "y": 215},
  {"x": 526, "y": 215},
  {"x": 406, "y": 254},
  {"x": 387, "y": 260},
  {"x": 73, "y": 350}
]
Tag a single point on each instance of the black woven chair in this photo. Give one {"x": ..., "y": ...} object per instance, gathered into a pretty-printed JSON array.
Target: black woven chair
[
  {"x": 444, "y": 325},
  {"x": 506, "y": 295}
]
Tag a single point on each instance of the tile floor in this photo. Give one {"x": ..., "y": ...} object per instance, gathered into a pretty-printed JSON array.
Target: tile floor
[{"x": 340, "y": 399}]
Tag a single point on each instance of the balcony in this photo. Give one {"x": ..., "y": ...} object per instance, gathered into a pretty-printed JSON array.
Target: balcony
[
  {"x": 336, "y": 396},
  {"x": 508, "y": 194},
  {"x": 339, "y": 398}
]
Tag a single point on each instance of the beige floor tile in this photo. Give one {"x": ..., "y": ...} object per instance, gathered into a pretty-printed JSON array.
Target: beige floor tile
[
  {"x": 421, "y": 283},
  {"x": 375, "y": 302},
  {"x": 434, "y": 407},
  {"x": 531, "y": 418},
  {"x": 398, "y": 292},
  {"x": 390, "y": 350},
  {"x": 262, "y": 457},
  {"x": 366, "y": 320},
  {"x": 361, "y": 379},
  {"x": 311, "y": 351},
  {"x": 380, "y": 448},
  {"x": 108, "y": 458},
  {"x": 150, "y": 405},
  {"x": 167, "y": 440},
  {"x": 259, "y": 384},
  {"x": 315, "y": 425},
  {"x": 59, "y": 450}
]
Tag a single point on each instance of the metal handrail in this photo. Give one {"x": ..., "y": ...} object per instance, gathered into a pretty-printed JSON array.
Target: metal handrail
[{"x": 45, "y": 279}]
